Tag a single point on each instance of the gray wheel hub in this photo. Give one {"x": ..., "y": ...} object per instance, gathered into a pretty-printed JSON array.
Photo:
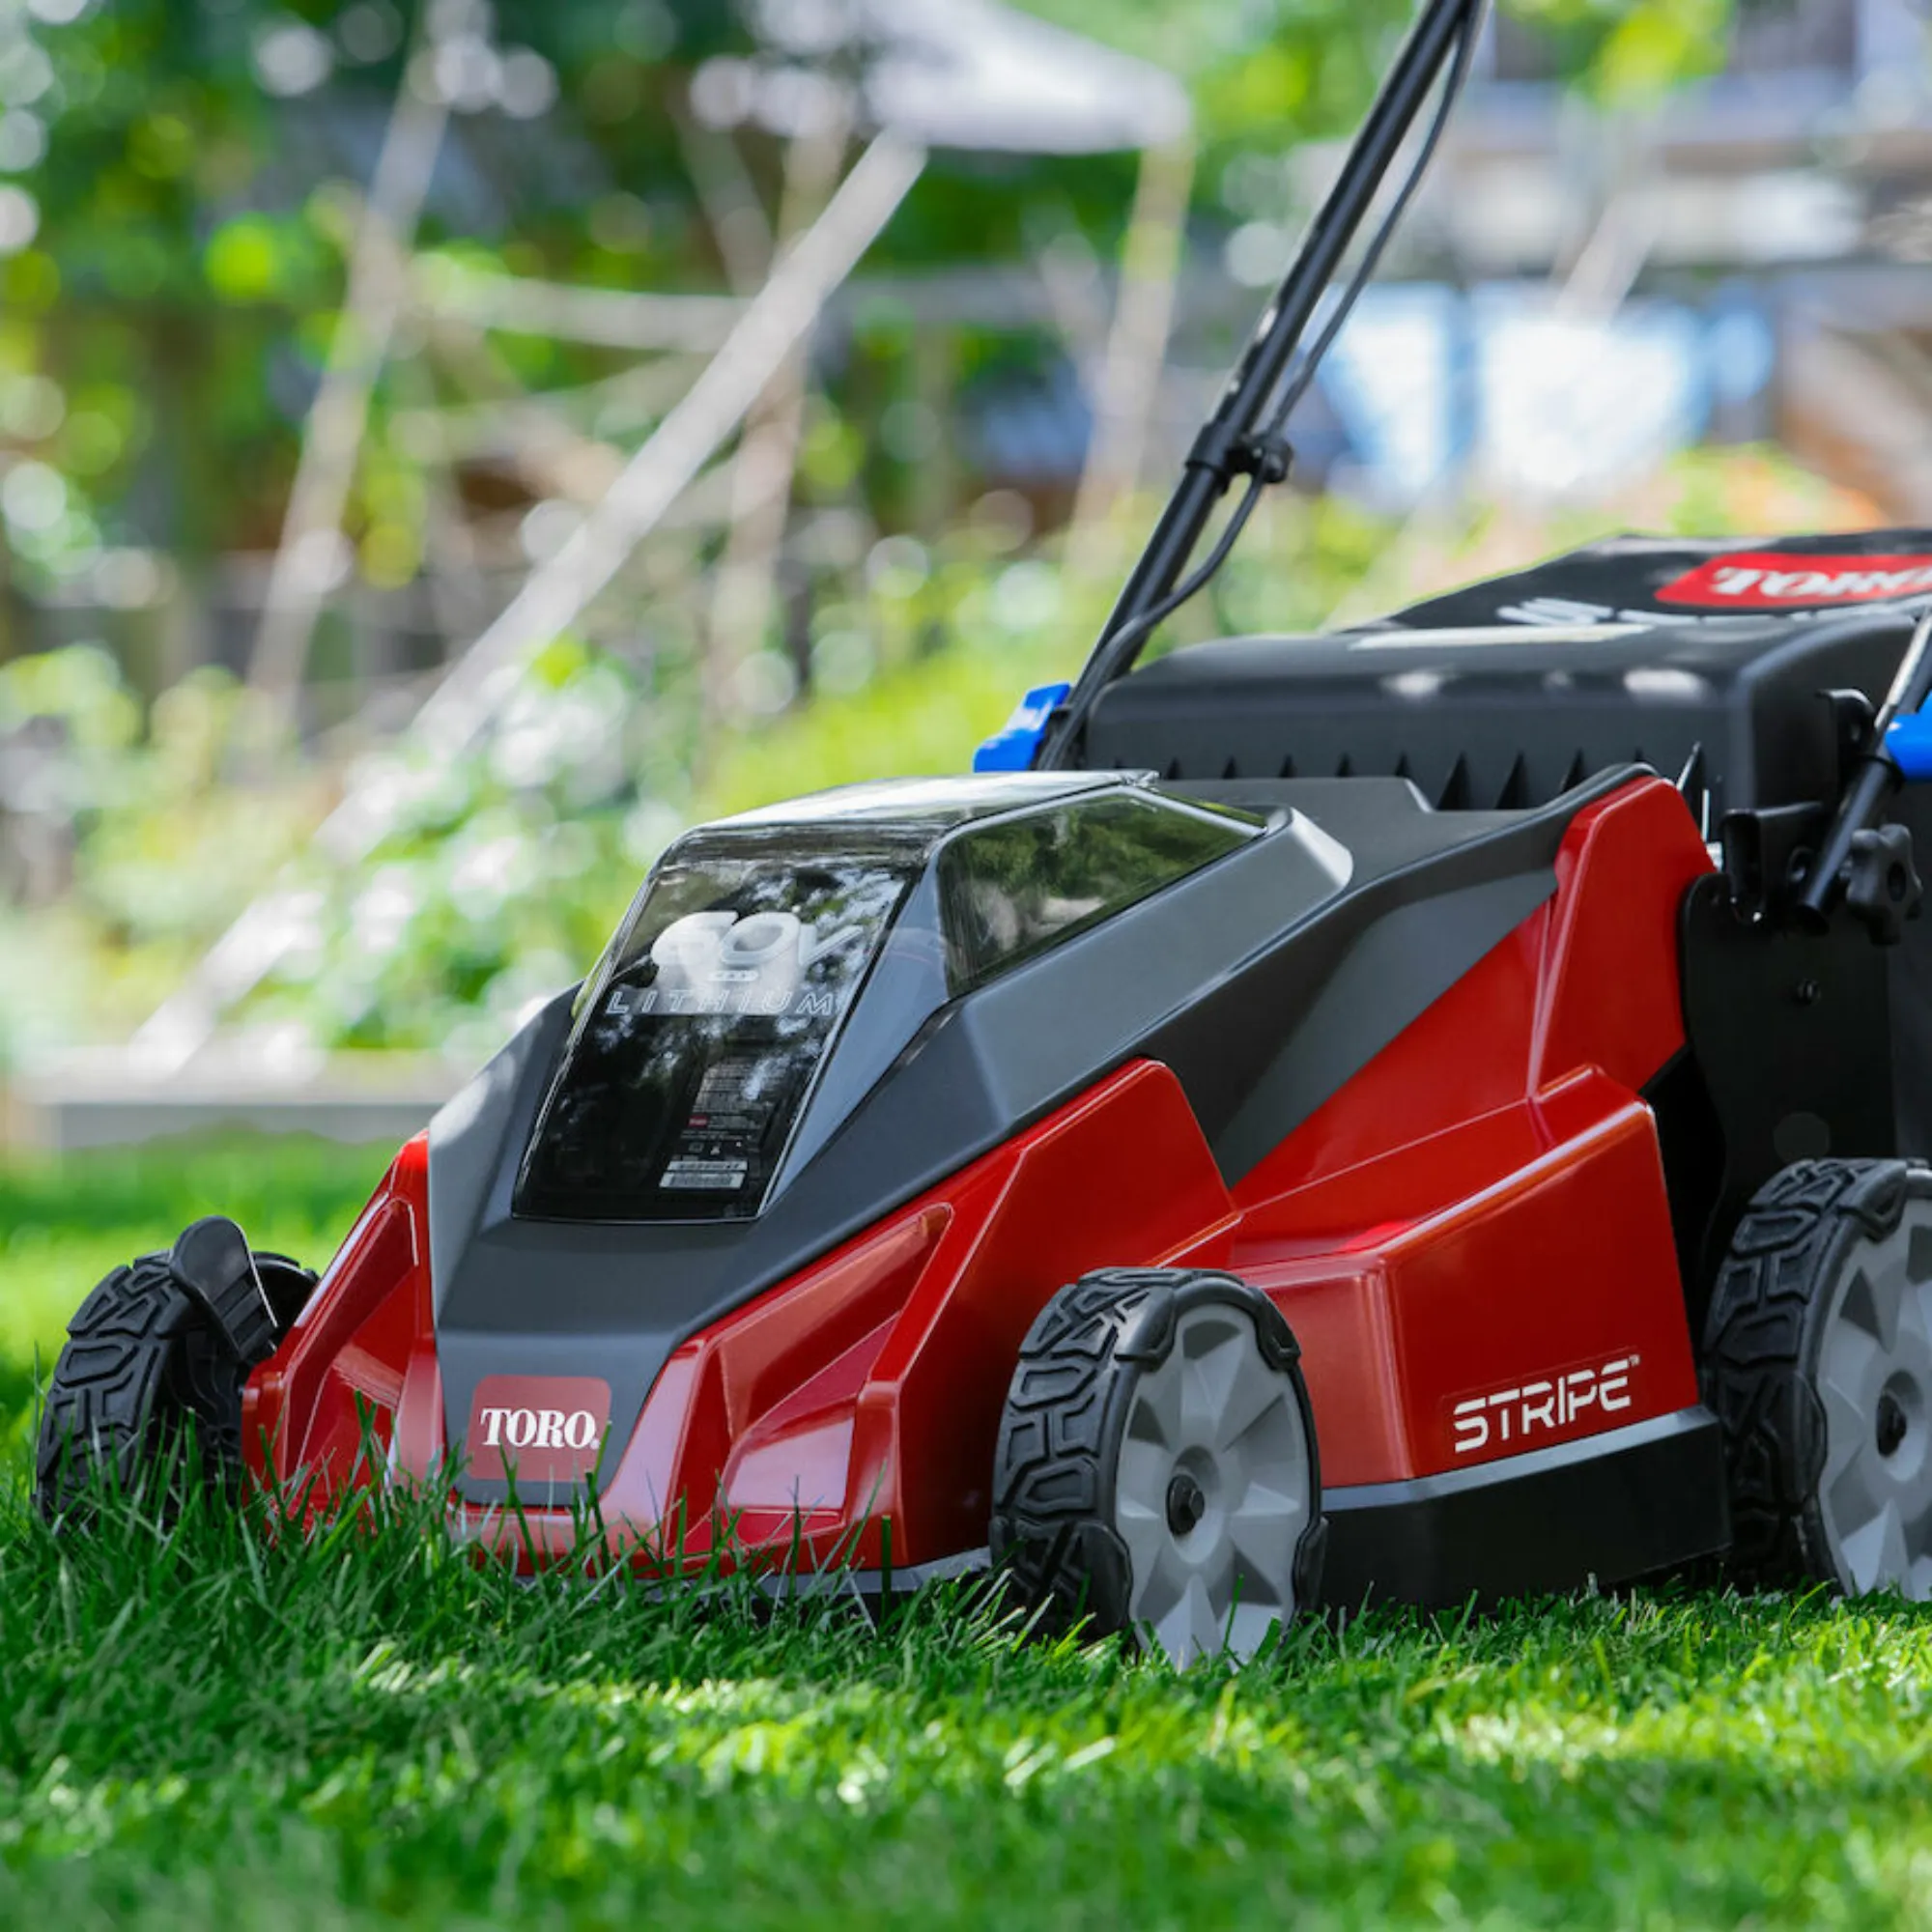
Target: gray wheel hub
[
  {"x": 1213, "y": 1488},
  {"x": 1875, "y": 1379}
]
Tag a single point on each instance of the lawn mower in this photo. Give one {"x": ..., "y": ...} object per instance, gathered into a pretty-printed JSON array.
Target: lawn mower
[{"x": 1425, "y": 1112}]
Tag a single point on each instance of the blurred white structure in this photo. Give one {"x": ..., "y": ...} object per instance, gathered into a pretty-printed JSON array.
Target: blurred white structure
[{"x": 902, "y": 76}]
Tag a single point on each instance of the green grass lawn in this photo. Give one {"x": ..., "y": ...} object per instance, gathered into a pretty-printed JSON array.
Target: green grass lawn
[{"x": 205, "y": 1730}]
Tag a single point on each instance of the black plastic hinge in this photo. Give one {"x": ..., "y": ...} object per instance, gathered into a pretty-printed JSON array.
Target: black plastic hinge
[
  {"x": 1228, "y": 452},
  {"x": 1766, "y": 853},
  {"x": 1852, "y": 717},
  {"x": 212, "y": 1262}
]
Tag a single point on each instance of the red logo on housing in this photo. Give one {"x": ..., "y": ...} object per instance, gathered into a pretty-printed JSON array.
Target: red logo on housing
[
  {"x": 1773, "y": 581},
  {"x": 540, "y": 1428}
]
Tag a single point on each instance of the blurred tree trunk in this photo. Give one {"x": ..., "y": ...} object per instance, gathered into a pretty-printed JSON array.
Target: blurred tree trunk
[{"x": 16, "y": 631}]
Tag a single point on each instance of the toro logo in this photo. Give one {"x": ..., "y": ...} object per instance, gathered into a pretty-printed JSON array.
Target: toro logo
[
  {"x": 1551, "y": 1405},
  {"x": 540, "y": 1428},
  {"x": 1774, "y": 580}
]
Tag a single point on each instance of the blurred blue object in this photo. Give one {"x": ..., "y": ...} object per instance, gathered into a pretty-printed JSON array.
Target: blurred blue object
[
  {"x": 1429, "y": 382},
  {"x": 1908, "y": 743},
  {"x": 1031, "y": 428},
  {"x": 1011, "y": 748}
]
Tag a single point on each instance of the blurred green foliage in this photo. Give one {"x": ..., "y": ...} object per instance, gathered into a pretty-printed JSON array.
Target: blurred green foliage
[
  {"x": 152, "y": 849},
  {"x": 179, "y": 179},
  {"x": 507, "y": 869},
  {"x": 180, "y": 182},
  {"x": 513, "y": 864}
]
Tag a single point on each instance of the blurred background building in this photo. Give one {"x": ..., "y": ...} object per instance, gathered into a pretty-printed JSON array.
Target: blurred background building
[{"x": 445, "y": 448}]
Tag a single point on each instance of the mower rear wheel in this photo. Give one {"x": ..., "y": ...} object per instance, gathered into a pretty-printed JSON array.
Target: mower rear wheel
[
  {"x": 1818, "y": 1363},
  {"x": 1156, "y": 1469},
  {"x": 149, "y": 1358}
]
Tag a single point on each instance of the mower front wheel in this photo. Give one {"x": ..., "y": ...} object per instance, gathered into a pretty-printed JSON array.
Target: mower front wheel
[
  {"x": 161, "y": 1348},
  {"x": 1156, "y": 1469}
]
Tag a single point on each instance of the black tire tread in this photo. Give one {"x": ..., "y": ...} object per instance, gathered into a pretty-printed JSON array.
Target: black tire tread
[
  {"x": 1759, "y": 1354},
  {"x": 1050, "y": 1489},
  {"x": 1052, "y": 1498},
  {"x": 140, "y": 1359},
  {"x": 106, "y": 1397}
]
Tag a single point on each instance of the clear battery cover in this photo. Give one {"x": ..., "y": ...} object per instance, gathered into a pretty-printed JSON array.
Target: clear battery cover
[{"x": 704, "y": 1035}]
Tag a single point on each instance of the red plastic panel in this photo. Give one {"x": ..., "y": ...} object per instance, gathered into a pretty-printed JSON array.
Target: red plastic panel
[
  {"x": 1609, "y": 995},
  {"x": 418, "y": 1443},
  {"x": 1465, "y": 1059},
  {"x": 1120, "y": 1178},
  {"x": 341, "y": 1369},
  {"x": 1558, "y": 1263},
  {"x": 1483, "y": 1207},
  {"x": 758, "y": 1374},
  {"x": 869, "y": 1390},
  {"x": 1565, "y": 1265}
]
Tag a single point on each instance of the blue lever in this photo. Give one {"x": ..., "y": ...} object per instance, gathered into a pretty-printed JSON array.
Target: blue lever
[
  {"x": 1908, "y": 743},
  {"x": 1011, "y": 748}
]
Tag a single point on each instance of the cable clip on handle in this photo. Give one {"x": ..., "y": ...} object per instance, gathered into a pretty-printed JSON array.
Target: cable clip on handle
[{"x": 1226, "y": 452}]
